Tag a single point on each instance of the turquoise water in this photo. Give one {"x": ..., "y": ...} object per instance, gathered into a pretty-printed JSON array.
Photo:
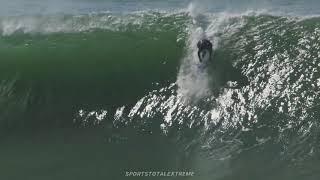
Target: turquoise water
[{"x": 91, "y": 90}]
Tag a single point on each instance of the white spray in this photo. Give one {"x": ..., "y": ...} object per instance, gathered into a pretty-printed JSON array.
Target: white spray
[{"x": 193, "y": 79}]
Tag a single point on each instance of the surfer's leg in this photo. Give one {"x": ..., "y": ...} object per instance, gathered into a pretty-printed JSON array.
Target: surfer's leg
[{"x": 199, "y": 56}]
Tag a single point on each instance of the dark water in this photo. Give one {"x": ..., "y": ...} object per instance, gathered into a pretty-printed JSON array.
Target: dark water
[{"x": 93, "y": 95}]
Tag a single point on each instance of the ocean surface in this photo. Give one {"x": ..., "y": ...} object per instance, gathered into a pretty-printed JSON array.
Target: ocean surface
[{"x": 94, "y": 89}]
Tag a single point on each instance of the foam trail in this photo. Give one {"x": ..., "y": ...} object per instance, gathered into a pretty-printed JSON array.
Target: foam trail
[{"x": 192, "y": 79}]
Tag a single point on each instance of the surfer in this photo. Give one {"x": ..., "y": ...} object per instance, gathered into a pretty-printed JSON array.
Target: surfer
[
  {"x": 204, "y": 50},
  {"x": 222, "y": 70}
]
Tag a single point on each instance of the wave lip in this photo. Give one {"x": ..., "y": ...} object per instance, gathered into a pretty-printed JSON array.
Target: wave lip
[{"x": 47, "y": 24}]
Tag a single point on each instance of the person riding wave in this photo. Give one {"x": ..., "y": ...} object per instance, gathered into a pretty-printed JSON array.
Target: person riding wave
[{"x": 204, "y": 50}]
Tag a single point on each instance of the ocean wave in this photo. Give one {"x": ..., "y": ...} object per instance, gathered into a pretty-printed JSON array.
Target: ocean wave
[
  {"x": 141, "y": 71},
  {"x": 48, "y": 24}
]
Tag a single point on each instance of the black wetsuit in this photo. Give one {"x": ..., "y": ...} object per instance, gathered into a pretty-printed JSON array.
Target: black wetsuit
[{"x": 202, "y": 45}]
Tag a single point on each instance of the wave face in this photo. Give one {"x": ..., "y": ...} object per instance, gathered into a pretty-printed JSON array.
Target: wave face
[
  {"x": 119, "y": 82},
  {"x": 93, "y": 61}
]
